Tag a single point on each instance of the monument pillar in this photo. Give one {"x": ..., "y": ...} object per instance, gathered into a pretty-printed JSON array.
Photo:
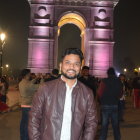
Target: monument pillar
[
  {"x": 41, "y": 36},
  {"x": 101, "y": 40}
]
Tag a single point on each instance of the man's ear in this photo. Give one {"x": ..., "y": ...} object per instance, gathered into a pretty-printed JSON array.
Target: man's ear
[{"x": 60, "y": 65}]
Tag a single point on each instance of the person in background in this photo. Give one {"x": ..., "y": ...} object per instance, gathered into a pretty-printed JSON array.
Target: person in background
[
  {"x": 39, "y": 78},
  {"x": 88, "y": 80},
  {"x": 54, "y": 74},
  {"x": 32, "y": 76},
  {"x": 4, "y": 88},
  {"x": 122, "y": 98},
  {"x": 47, "y": 77},
  {"x": 136, "y": 90},
  {"x": 109, "y": 92},
  {"x": 27, "y": 89},
  {"x": 64, "y": 109},
  {"x": 3, "y": 106}
]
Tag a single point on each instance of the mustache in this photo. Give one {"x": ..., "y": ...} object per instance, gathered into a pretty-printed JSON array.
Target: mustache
[{"x": 71, "y": 70}]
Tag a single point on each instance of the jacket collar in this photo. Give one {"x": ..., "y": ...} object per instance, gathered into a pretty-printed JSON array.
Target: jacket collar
[{"x": 61, "y": 81}]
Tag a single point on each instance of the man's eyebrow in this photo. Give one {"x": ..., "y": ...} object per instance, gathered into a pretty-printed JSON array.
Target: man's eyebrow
[{"x": 66, "y": 60}]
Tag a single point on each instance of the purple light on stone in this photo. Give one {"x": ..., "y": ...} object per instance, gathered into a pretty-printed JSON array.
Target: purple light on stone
[
  {"x": 41, "y": 31},
  {"x": 42, "y": 21},
  {"x": 98, "y": 40},
  {"x": 42, "y": 12},
  {"x": 37, "y": 57},
  {"x": 101, "y": 56},
  {"x": 102, "y": 34},
  {"x": 39, "y": 54},
  {"x": 102, "y": 15}
]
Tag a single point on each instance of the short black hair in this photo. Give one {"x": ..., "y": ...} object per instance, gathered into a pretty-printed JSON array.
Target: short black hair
[
  {"x": 24, "y": 72},
  {"x": 85, "y": 68},
  {"x": 111, "y": 71},
  {"x": 75, "y": 51}
]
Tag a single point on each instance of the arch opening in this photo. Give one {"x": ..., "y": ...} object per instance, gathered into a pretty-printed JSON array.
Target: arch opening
[
  {"x": 72, "y": 27},
  {"x": 69, "y": 37}
]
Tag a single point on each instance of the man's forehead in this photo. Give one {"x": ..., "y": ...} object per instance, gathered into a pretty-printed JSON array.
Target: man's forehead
[
  {"x": 72, "y": 60},
  {"x": 72, "y": 56}
]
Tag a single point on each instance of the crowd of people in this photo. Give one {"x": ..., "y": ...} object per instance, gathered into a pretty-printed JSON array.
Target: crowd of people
[
  {"x": 4, "y": 85},
  {"x": 62, "y": 105}
]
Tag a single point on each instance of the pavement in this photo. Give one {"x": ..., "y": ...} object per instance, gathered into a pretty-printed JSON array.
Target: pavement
[
  {"x": 10, "y": 122},
  {"x": 130, "y": 128}
]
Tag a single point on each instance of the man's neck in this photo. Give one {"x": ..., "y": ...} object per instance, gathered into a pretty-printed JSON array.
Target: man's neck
[{"x": 69, "y": 82}]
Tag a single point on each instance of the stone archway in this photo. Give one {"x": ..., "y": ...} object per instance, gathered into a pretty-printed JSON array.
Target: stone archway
[{"x": 93, "y": 17}]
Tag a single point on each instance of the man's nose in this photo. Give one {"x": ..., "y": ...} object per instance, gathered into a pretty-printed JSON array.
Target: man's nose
[{"x": 72, "y": 65}]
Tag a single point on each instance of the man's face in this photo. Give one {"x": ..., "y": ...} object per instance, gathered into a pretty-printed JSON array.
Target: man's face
[
  {"x": 70, "y": 66},
  {"x": 85, "y": 72}
]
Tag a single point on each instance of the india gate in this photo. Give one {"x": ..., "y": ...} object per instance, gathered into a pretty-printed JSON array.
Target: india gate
[{"x": 94, "y": 18}]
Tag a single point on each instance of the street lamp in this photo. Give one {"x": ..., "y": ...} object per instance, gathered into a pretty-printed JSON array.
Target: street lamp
[
  {"x": 125, "y": 70},
  {"x": 7, "y": 69},
  {"x": 7, "y": 66},
  {"x": 2, "y": 38}
]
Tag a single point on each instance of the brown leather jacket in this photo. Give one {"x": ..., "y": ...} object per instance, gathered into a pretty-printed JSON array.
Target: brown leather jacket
[{"x": 45, "y": 117}]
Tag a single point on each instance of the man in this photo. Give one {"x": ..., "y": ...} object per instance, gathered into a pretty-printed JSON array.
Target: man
[
  {"x": 27, "y": 88},
  {"x": 122, "y": 99},
  {"x": 109, "y": 92},
  {"x": 4, "y": 88},
  {"x": 64, "y": 109},
  {"x": 136, "y": 90},
  {"x": 87, "y": 79}
]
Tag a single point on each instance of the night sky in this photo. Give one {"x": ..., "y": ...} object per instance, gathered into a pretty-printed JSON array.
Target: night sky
[
  {"x": 14, "y": 20},
  {"x": 127, "y": 34}
]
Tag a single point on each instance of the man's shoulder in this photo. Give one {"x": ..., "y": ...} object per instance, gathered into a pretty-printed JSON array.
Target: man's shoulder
[
  {"x": 81, "y": 83},
  {"x": 85, "y": 92},
  {"x": 52, "y": 83},
  {"x": 48, "y": 87},
  {"x": 83, "y": 86}
]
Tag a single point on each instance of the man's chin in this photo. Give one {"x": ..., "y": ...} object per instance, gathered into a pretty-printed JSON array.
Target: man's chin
[{"x": 70, "y": 77}]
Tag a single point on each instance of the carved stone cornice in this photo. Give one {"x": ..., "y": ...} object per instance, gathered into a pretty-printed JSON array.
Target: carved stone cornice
[
  {"x": 77, "y": 2},
  {"x": 115, "y": 1}
]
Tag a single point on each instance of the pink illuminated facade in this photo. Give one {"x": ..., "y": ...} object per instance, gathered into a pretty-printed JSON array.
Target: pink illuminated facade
[{"x": 93, "y": 17}]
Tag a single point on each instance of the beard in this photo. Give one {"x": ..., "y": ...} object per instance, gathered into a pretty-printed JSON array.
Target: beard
[{"x": 69, "y": 76}]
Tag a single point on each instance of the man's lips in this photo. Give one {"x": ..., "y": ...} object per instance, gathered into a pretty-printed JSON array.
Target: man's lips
[{"x": 71, "y": 71}]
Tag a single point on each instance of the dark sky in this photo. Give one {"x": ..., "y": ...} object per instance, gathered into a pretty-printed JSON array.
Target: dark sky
[
  {"x": 127, "y": 34},
  {"x": 14, "y": 20}
]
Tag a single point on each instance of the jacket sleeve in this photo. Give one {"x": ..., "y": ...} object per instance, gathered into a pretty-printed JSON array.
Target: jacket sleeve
[
  {"x": 35, "y": 115},
  {"x": 91, "y": 120}
]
